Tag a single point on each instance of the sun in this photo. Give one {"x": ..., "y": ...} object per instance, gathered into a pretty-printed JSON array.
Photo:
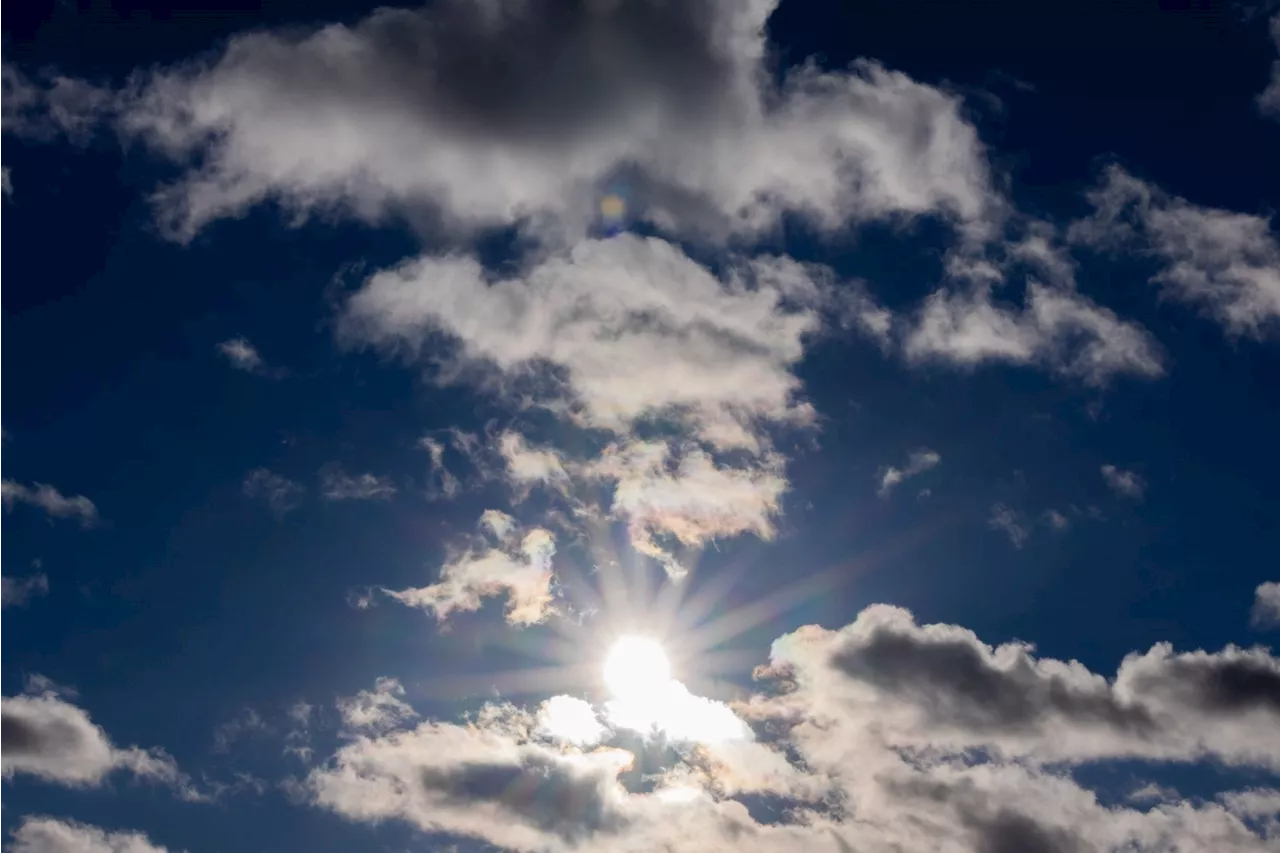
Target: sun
[{"x": 635, "y": 668}]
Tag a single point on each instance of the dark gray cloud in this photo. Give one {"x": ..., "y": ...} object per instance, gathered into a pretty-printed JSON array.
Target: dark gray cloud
[
  {"x": 955, "y": 682},
  {"x": 551, "y": 795}
]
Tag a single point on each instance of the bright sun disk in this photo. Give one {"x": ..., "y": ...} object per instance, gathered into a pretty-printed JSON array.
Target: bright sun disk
[{"x": 636, "y": 667}]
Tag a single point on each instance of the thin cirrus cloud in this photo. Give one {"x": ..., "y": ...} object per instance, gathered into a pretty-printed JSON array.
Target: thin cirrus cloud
[
  {"x": 335, "y": 485},
  {"x": 1269, "y": 98},
  {"x": 1010, "y": 522},
  {"x": 279, "y": 493}
]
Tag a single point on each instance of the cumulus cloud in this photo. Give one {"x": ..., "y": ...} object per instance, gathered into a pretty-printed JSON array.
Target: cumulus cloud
[
  {"x": 918, "y": 461},
  {"x": 51, "y": 501},
  {"x": 519, "y": 569},
  {"x": 1011, "y": 523},
  {"x": 1266, "y": 605},
  {"x": 675, "y": 99},
  {"x": 338, "y": 486},
  {"x": 1128, "y": 484},
  {"x": 280, "y": 493},
  {"x": 1269, "y": 98},
  {"x": 241, "y": 354},
  {"x": 46, "y": 736},
  {"x": 884, "y": 735},
  {"x": 1226, "y": 264},
  {"x": 18, "y": 591},
  {"x": 37, "y": 834}
]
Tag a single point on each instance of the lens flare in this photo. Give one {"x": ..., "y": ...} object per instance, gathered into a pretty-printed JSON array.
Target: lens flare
[{"x": 636, "y": 667}]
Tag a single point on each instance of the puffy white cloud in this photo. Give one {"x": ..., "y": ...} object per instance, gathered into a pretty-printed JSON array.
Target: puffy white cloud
[
  {"x": 454, "y": 106},
  {"x": 883, "y": 735},
  {"x": 51, "y": 501},
  {"x": 1225, "y": 263},
  {"x": 1266, "y": 605},
  {"x": 338, "y": 486},
  {"x": 918, "y": 461},
  {"x": 1127, "y": 484},
  {"x": 521, "y": 571},
  {"x": 51, "y": 835},
  {"x": 46, "y": 736},
  {"x": 18, "y": 591},
  {"x": 280, "y": 493}
]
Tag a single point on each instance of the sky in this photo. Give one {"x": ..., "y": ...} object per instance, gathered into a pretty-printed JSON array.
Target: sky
[{"x": 621, "y": 425}]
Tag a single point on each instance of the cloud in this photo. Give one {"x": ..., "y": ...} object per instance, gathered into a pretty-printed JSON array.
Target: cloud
[
  {"x": 521, "y": 571},
  {"x": 38, "y": 834},
  {"x": 1056, "y": 520},
  {"x": 1227, "y": 264},
  {"x": 528, "y": 466},
  {"x": 51, "y": 501},
  {"x": 442, "y": 483},
  {"x": 675, "y": 100},
  {"x": 18, "y": 591},
  {"x": 376, "y": 711},
  {"x": 280, "y": 493},
  {"x": 337, "y": 486},
  {"x": 1056, "y": 328},
  {"x": 885, "y": 735},
  {"x": 1266, "y": 606},
  {"x": 918, "y": 461},
  {"x": 1128, "y": 484},
  {"x": 242, "y": 354},
  {"x": 1269, "y": 98},
  {"x": 246, "y": 722},
  {"x": 1011, "y": 522},
  {"x": 48, "y": 737}
]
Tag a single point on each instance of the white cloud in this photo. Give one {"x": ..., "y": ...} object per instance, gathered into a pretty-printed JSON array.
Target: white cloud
[
  {"x": 242, "y": 354},
  {"x": 443, "y": 483},
  {"x": 522, "y": 573},
  {"x": 529, "y": 466},
  {"x": 675, "y": 100},
  {"x": 1057, "y": 328},
  {"x": 888, "y": 735},
  {"x": 1266, "y": 606},
  {"x": 52, "y": 835},
  {"x": 378, "y": 710},
  {"x": 1128, "y": 484},
  {"x": 1225, "y": 263},
  {"x": 48, "y": 737},
  {"x": 918, "y": 461},
  {"x": 280, "y": 493},
  {"x": 337, "y": 486},
  {"x": 18, "y": 591},
  {"x": 1011, "y": 522},
  {"x": 1056, "y": 520},
  {"x": 51, "y": 501}
]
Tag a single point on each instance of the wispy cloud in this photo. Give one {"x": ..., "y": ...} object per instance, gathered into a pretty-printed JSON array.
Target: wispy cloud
[
  {"x": 1266, "y": 606},
  {"x": 918, "y": 461},
  {"x": 18, "y": 591},
  {"x": 1128, "y": 484},
  {"x": 280, "y": 493},
  {"x": 51, "y": 501},
  {"x": 1011, "y": 523},
  {"x": 338, "y": 486}
]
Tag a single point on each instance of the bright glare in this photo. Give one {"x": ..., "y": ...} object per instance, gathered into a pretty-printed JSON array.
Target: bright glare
[{"x": 636, "y": 667}]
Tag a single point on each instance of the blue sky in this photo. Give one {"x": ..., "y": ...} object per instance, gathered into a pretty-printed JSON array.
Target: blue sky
[{"x": 905, "y": 372}]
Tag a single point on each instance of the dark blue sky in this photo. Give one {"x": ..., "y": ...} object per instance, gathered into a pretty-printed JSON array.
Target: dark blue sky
[{"x": 190, "y": 602}]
